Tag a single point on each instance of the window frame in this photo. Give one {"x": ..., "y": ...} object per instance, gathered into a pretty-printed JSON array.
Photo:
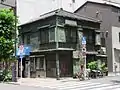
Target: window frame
[
  {"x": 60, "y": 34},
  {"x": 45, "y": 36},
  {"x": 50, "y": 31},
  {"x": 119, "y": 37}
]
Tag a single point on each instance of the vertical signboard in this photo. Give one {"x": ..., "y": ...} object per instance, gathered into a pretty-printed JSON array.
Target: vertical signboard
[{"x": 84, "y": 53}]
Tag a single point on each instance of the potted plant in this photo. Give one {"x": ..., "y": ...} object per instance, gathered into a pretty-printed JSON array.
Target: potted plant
[
  {"x": 93, "y": 67},
  {"x": 104, "y": 69}
]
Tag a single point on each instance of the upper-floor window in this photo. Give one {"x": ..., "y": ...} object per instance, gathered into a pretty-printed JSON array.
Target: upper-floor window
[
  {"x": 119, "y": 36},
  {"x": 34, "y": 40},
  {"x": 118, "y": 18},
  {"x": 44, "y": 35},
  {"x": 115, "y": 10},
  {"x": 90, "y": 36},
  {"x": 102, "y": 39},
  {"x": 71, "y": 34},
  {"x": 61, "y": 35},
  {"x": 52, "y": 35},
  {"x": 97, "y": 39},
  {"x": 28, "y": 39}
]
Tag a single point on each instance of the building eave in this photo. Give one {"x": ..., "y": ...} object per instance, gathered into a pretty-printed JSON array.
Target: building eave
[
  {"x": 49, "y": 50},
  {"x": 100, "y": 3}
]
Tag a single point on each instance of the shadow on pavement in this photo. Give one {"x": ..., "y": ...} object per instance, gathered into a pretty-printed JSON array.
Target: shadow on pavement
[{"x": 115, "y": 81}]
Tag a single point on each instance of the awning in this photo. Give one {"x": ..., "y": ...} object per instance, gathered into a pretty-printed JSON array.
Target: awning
[
  {"x": 49, "y": 50},
  {"x": 37, "y": 56},
  {"x": 117, "y": 48},
  {"x": 101, "y": 56},
  {"x": 92, "y": 52}
]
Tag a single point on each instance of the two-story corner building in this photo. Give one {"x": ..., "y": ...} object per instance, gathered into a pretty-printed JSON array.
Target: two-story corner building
[
  {"x": 54, "y": 37},
  {"x": 109, "y": 14}
]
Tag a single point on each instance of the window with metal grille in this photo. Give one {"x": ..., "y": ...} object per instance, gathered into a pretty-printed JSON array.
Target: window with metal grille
[
  {"x": 119, "y": 36},
  {"x": 118, "y": 18}
]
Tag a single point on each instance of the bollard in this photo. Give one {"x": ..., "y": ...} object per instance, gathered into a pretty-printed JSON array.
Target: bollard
[{"x": 14, "y": 77}]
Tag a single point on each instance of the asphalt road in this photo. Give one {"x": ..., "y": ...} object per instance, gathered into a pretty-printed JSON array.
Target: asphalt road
[
  {"x": 20, "y": 87},
  {"x": 107, "y": 83}
]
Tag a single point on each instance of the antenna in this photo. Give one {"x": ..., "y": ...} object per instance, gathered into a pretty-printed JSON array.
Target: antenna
[
  {"x": 73, "y": 5},
  {"x": 59, "y": 3}
]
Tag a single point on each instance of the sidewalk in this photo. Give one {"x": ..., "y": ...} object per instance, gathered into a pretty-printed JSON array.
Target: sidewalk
[{"x": 52, "y": 81}]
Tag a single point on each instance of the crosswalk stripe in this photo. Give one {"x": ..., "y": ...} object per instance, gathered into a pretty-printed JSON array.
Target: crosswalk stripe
[
  {"x": 110, "y": 87},
  {"x": 91, "y": 86},
  {"x": 68, "y": 84},
  {"x": 117, "y": 89},
  {"x": 79, "y": 86},
  {"x": 83, "y": 86}
]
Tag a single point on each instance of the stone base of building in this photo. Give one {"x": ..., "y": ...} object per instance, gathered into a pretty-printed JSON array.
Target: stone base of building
[{"x": 113, "y": 74}]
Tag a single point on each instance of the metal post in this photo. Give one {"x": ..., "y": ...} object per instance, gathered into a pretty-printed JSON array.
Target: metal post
[
  {"x": 85, "y": 67},
  {"x": 21, "y": 67}
]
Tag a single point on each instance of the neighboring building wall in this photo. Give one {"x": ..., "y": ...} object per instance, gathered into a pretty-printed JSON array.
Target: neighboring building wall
[
  {"x": 103, "y": 13},
  {"x": 116, "y": 48},
  {"x": 9, "y": 2}
]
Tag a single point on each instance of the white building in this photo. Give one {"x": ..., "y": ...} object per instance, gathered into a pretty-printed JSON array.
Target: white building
[{"x": 116, "y": 47}]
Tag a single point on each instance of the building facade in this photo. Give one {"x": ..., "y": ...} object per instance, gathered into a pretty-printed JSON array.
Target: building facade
[
  {"x": 55, "y": 38},
  {"x": 109, "y": 15}
]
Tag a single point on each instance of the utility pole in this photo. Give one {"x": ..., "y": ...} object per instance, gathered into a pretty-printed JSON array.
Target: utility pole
[{"x": 15, "y": 13}]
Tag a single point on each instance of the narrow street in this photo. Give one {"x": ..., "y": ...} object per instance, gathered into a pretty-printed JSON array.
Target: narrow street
[{"x": 106, "y": 83}]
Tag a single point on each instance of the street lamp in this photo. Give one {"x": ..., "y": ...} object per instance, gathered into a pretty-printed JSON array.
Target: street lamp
[{"x": 15, "y": 13}]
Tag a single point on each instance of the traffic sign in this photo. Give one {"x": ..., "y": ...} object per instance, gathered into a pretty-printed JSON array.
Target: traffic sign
[
  {"x": 23, "y": 50},
  {"x": 83, "y": 40}
]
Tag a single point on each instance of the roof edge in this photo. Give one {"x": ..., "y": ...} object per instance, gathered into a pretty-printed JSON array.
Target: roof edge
[{"x": 95, "y": 2}]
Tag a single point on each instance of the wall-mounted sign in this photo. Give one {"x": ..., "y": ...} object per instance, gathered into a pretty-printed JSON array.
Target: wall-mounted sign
[
  {"x": 83, "y": 40},
  {"x": 71, "y": 22}
]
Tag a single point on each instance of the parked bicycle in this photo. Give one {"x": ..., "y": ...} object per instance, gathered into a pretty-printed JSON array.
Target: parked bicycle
[{"x": 82, "y": 76}]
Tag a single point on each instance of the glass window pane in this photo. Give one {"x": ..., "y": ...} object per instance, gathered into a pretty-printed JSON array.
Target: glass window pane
[
  {"x": 61, "y": 35},
  {"x": 52, "y": 35},
  {"x": 42, "y": 62},
  {"x": 37, "y": 63},
  {"x": 32, "y": 65},
  {"x": 34, "y": 41},
  {"x": 44, "y": 36},
  {"x": 98, "y": 40},
  {"x": 73, "y": 35}
]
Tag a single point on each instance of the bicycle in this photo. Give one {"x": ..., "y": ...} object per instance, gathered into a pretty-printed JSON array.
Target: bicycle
[{"x": 82, "y": 77}]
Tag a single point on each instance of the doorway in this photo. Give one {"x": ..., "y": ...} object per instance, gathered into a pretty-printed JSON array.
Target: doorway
[{"x": 37, "y": 66}]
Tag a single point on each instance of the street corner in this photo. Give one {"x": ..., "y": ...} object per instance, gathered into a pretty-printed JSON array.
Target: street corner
[{"x": 12, "y": 83}]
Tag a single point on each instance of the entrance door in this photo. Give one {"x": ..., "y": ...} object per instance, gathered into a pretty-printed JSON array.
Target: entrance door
[{"x": 39, "y": 66}]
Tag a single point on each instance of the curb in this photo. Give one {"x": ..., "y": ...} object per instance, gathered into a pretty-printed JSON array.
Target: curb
[{"x": 13, "y": 83}]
